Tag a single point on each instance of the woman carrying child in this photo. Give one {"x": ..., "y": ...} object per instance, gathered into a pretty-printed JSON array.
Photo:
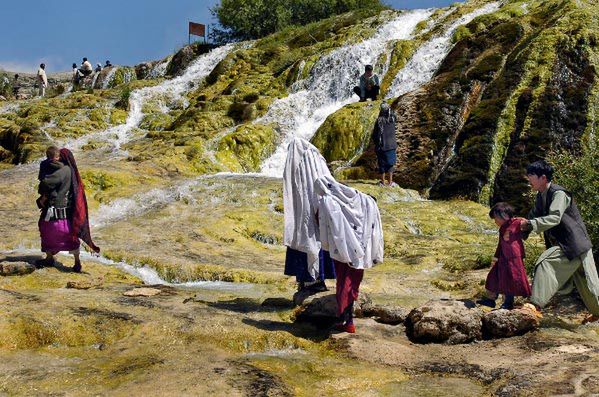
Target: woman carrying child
[{"x": 507, "y": 275}]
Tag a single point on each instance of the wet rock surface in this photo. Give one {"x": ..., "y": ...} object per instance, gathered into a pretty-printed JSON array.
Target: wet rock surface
[
  {"x": 448, "y": 321},
  {"x": 506, "y": 323}
]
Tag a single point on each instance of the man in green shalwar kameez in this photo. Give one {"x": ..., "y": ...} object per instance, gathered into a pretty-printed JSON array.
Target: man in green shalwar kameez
[{"x": 568, "y": 260}]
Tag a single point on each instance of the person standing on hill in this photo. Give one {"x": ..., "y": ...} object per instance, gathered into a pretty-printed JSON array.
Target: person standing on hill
[
  {"x": 42, "y": 80},
  {"x": 369, "y": 85},
  {"x": 385, "y": 143},
  {"x": 568, "y": 261},
  {"x": 16, "y": 86}
]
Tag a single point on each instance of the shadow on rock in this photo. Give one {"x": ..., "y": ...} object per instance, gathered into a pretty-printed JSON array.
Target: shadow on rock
[{"x": 300, "y": 330}]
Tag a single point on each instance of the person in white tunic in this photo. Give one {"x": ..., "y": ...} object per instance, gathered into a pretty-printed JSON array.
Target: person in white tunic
[{"x": 42, "y": 80}]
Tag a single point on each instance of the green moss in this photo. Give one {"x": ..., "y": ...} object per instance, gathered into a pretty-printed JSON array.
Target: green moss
[
  {"x": 346, "y": 133},
  {"x": 247, "y": 146}
]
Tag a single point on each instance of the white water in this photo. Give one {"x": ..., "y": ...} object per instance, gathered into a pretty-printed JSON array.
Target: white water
[
  {"x": 109, "y": 77},
  {"x": 329, "y": 86},
  {"x": 427, "y": 59},
  {"x": 172, "y": 89},
  {"x": 159, "y": 70}
]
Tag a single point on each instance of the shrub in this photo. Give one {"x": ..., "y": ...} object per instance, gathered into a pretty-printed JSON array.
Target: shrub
[{"x": 252, "y": 19}]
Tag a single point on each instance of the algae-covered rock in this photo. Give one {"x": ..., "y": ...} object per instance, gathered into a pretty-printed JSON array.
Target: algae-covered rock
[
  {"x": 346, "y": 133},
  {"x": 450, "y": 322},
  {"x": 247, "y": 146}
]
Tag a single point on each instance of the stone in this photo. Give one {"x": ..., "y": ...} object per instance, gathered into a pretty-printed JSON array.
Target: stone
[
  {"x": 445, "y": 321},
  {"x": 506, "y": 323},
  {"x": 384, "y": 314},
  {"x": 2, "y": 98},
  {"x": 321, "y": 307},
  {"x": 142, "y": 292},
  {"x": 15, "y": 268},
  {"x": 79, "y": 284}
]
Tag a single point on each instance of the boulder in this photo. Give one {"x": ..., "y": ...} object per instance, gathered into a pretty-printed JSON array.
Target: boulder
[
  {"x": 185, "y": 56},
  {"x": 143, "y": 69},
  {"x": 445, "y": 321},
  {"x": 321, "y": 308},
  {"x": 142, "y": 292},
  {"x": 383, "y": 314},
  {"x": 15, "y": 268},
  {"x": 506, "y": 323}
]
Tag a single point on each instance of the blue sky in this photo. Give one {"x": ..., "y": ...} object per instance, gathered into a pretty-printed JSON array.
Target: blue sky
[{"x": 60, "y": 32}]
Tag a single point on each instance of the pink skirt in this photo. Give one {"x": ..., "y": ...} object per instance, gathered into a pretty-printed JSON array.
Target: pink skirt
[{"x": 56, "y": 236}]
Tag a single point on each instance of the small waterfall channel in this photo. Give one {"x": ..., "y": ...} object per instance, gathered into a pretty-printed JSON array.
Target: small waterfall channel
[
  {"x": 172, "y": 89},
  {"x": 329, "y": 86},
  {"x": 427, "y": 59}
]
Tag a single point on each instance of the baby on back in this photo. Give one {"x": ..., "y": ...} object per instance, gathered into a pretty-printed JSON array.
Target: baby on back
[{"x": 48, "y": 166}]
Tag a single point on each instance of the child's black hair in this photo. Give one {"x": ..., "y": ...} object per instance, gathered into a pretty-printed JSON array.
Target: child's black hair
[
  {"x": 502, "y": 210},
  {"x": 52, "y": 152},
  {"x": 540, "y": 168}
]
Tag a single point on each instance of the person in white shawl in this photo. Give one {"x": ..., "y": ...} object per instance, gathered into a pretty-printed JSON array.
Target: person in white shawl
[
  {"x": 350, "y": 230},
  {"x": 304, "y": 258}
]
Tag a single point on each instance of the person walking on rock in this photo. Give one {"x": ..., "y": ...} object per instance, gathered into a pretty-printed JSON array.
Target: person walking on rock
[
  {"x": 385, "y": 143},
  {"x": 568, "y": 260},
  {"x": 369, "y": 85},
  {"x": 350, "y": 229},
  {"x": 507, "y": 275},
  {"x": 64, "y": 216},
  {"x": 42, "y": 80}
]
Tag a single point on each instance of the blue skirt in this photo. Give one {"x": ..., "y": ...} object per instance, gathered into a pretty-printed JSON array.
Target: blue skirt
[
  {"x": 386, "y": 160},
  {"x": 296, "y": 264}
]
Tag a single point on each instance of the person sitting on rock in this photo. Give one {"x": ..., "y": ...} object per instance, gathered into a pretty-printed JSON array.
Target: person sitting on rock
[
  {"x": 108, "y": 64},
  {"x": 369, "y": 85},
  {"x": 86, "y": 68},
  {"x": 385, "y": 143},
  {"x": 98, "y": 68},
  {"x": 568, "y": 260},
  {"x": 507, "y": 275}
]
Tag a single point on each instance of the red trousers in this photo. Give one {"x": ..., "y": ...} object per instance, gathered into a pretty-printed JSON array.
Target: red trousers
[{"x": 348, "y": 285}]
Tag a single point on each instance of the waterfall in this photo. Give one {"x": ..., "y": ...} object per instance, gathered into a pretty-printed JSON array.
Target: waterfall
[
  {"x": 329, "y": 86},
  {"x": 159, "y": 70},
  {"x": 174, "y": 89},
  {"x": 427, "y": 59},
  {"x": 108, "y": 78}
]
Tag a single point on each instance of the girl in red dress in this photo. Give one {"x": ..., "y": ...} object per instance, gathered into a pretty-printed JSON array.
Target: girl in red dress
[{"x": 507, "y": 275}]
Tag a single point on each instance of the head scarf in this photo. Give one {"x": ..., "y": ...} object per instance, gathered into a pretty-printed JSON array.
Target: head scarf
[
  {"x": 80, "y": 221},
  {"x": 385, "y": 115}
]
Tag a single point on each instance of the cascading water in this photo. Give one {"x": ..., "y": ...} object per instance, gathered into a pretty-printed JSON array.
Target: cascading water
[
  {"x": 172, "y": 89},
  {"x": 425, "y": 62},
  {"x": 108, "y": 77},
  {"x": 329, "y": 86}
]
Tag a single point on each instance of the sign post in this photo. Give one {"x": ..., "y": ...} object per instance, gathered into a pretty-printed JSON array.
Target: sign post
[{"x": 196, "y": 29}]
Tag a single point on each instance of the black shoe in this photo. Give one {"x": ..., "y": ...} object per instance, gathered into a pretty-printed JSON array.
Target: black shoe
[
  {"x": 506, "y": 306},
  {"x": 486, "y": 302},
  {"x": 319, "y": 286}
]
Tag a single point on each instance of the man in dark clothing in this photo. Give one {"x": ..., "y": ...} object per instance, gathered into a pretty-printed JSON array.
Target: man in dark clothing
[
  {"x": 369, "y": 85},
  {"x": 568, "y": 261},
  {"x": 385, "y": 143},
  {"x": 16, "y": 86}
]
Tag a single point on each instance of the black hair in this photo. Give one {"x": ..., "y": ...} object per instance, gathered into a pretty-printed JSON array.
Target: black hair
[
  {"x": 502, "y": 210},
  {"x": 16, "y": 75},
  {"x": 540, "y": 168},
  {"x": 74, "y": 65},
  {"x": 368, "y": 67},
  {"x": 84, "y": 59},
  {"x": 42, "y": 65}
]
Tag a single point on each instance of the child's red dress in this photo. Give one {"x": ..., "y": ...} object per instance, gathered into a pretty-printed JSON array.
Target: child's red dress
[{"x": 508, "y": 275}]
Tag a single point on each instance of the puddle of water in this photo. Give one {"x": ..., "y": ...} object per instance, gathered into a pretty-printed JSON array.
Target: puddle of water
[{"x": 425, "y": 386}]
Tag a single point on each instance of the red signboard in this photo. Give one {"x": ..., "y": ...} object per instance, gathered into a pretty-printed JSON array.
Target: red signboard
[{"x": 197, "y": 29}]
